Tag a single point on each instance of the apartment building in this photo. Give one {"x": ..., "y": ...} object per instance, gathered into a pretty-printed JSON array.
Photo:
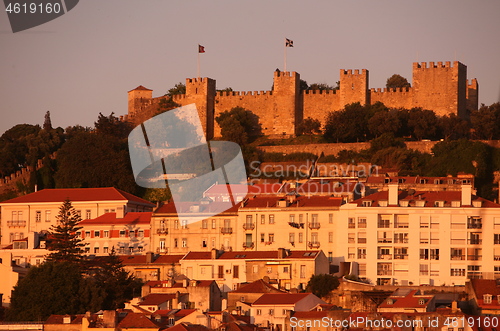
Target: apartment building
[
  {"x": 129, "y": 234},
  {"x": 37, "y": 212},
  {"x": 172, "y": 232},
  {"x": 421, "y": 238},
  {"x": 287, "y": 269}
]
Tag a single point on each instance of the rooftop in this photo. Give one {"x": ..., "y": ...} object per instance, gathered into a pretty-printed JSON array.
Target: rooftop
[{"x": 111, "y": 219}]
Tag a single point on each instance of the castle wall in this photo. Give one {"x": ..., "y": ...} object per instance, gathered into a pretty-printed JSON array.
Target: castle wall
[
  {"x": 393, "y": 98},
  {"x": 353, "y": 87},
  {"x": 317, "y": 104},
  {"x": 472, "y": 95}
]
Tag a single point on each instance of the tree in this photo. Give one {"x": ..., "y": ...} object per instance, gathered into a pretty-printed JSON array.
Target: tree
[
  {"x": 322, "y": 285},
  {"x": 178, "y": 88},
  {"x": 422, "y": 123},
  {"x": 323, "y": 87},
  {"x": 166, "y": 104},
  {"x": 453, "y": 127},
  {"x": 397, "y": 81},
  {"x": 112, "y": 126},
  {"x": 51, "y": 288},
  {"x": 63, "y": 240},
  {"x": 309, "y": 126},
  {"x": 47, "y": 124},
  {"x": 348, "y": 125},
  {"x": 486, "y": 122},
  {"x": 385, "y": 121},
  {"x": 238, "y": 125}
]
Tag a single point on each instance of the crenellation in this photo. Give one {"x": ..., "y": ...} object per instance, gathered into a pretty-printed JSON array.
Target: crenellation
[{"x": 447, "y": 64}]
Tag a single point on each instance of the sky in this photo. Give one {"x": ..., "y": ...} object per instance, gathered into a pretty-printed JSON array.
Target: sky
[{"x": 84, "y": 62}]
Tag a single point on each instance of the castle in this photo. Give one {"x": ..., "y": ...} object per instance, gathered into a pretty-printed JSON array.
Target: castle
[{"x": 443, "y": 88}]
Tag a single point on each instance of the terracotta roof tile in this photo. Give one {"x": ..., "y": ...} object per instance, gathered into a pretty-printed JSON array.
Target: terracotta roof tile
[
  {"x": 300, "y": 201},
  {"x": 140, "y": 88},
  {"x": 280, "y": 298},
  {"x": 259, "y": 286},
  {"x": 110, "y": 219},
  {"x": 78, "y": 194},
  {"x": 137, "y": 320},
  {"x": 184, "y": 207},
  {"x": 410, "y": 300},
  {"x": 156, "y": 299}
]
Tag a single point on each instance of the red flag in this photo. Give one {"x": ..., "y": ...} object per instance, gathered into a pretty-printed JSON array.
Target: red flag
[{"x": 201, "y": 49}]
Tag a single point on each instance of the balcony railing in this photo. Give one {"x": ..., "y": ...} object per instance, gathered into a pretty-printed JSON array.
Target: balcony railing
[
  {"x": 162, "y": 231},
  {"x": 400, "y": 256},
  {"x": 314, "y": 225},
  {"x": 385, "y": 240},
  {"x": 248, "y": 245},
  {"x": 475, "y": 241},
  {"x": 313, "y": 244},
  {"x": 383, "y": 272},
  {"x": 16, "y": 223},
  {"x": 477, "y": 225},
  {"x": 474, "y": 257},
  {"x": 385, "y": 256},
  {"x": 361, "y": 240},
  {"x": 248, "y": 226},
  {"x": 496, "y": 257},
  {"x": 226, "y": 230},
  {"x": 162, "y": 250},
  {"x": 458, "y": 257}
]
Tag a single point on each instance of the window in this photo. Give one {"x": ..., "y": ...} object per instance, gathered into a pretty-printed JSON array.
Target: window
[
  {"x": 96, "y": 250},
  {"x": 220, "y": 273},
  {"x": 97, "y": 234},
  {"x": 301, "y": 237},
  {"x": 496, "y": 239},
  {"x": 474, "y": 223},
  {"x": 302, "y": 271},
  {"x": 262, "y": 237},
  {"x": 384, "y": 221},
  {"x": 204, "y": 243},
  {"x": 330, "y": 218},
  {"x": 457, "y": 272},
  {"x": 47, "y": 216},
  {"x": 79, "y": 213},
  {"x": 351, "y": 224},
  {"x": 263, "y": 219},
  {"x": 106, "y": 234},
  {"x": 214, "y": 224},
  {"x": 204, "y": 224},
  {"x": 314, "y": 237},
  {"x": 184, "y": 224},
  {"x": 330, "y": 237},
  {"x": 38, "y": 216},
  {"x": 361, "y": 222},
  {"x": 184, "y": 242},
  {"x": 424, "y": 222},
  {"x": 291, "y": 238},
  {"x": 236, "y": 271},
  {"x": 176, "y": 224},
  {"x": 271, "y": 237},
  {"x": 367, "y": 203},
  {"x": 424, "y": 270},
  {"x": 105, "y": 250},
  {"x": 351, "y": 238},
  {"x": 361, "y": 253},
  {"x": 401, "y": 237},
  {"x": 87, "y": 234},
  {"x": 292, "y": 218},
  {"x": 361, "y": 237},
  {"x": 271, "y": 312},
  {"x": 487, "y": 298},
  {"x": 140, "y": 233},
  {"x": 259, "y": 312},
  {"x": 88, "y": 214},
  {"x": 402, "y": 221},
  {"x": 176, "y": 242},
  {"x": 362, "y": 269},
  {"x": 122, "y": 233}
]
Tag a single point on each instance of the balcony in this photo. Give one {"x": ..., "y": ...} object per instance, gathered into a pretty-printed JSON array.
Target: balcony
[
  {"x": 383, "y": 272},
  {"x": 474, "y": 257},
  {"x": 248, "y": 245},
  {"x": 385, "y": 240},
  {"x": 475, "y": 225},
  {"x": 162, "y": 231},
  {"x": 313, "y": 244},
  {"x": 16, "y": 223},
  {"x": 385, "y": 256},
  {"x": 475, "y": 241},
  {"x": 361, "y": 240},
  {"x": 496, "y": 258},
  {"x": 400, "y": 256},
  {"x": 314, "y": 225},
  {"x": 458, "y": 257},
  {"x": 162, "y": 250},
  {"x": 248, "y": 226},
  {"x": 226, "y": 230},
  {"x": 296, "y": 225}
]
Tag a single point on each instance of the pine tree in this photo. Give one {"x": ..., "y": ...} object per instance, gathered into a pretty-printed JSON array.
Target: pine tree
[
  {"x": 63, "y": 240},
  {"x": 47, "y": 124}
]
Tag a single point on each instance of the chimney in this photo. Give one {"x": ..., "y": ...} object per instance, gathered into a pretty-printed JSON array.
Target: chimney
[
  {"x": 214, "y": 254},
  {"x": 120, "y": 212},
  {"x": 185, "y": 283},
  {"x": 466, "y": 194},
  {"x": 149, "y": 257},
  {"x": 109, "y": 318},
  {"x": 175, "y": 301},
  {"x": 393, "y": 194},
  {"x": 281, "y": 253},
  {"x": 454, "y": 306}
]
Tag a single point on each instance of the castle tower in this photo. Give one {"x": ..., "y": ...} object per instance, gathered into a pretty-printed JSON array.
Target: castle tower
[
  {"x": 201, "y": 91},
  {"x": 137, "y": 99},
  {"x": 287, "y": 112},
  {"x": 472, "y": 95},
  {"x": 353, "y": 87},
  {"x": 442, "y": 88}
]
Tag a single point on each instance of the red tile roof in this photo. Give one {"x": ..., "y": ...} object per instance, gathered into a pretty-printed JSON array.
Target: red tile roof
[
  {"x": 184, "y": 207},
  {"x": 429, "y": 197},
  {"x": 486, "y": 286},
  {"x": 111, "y": 219},
  {"x": 154, "y": 299},
  {"x": 300, "y": 201},
  {"x": 137, "y": 320},
  {"x": 252, "y": 255},
  {"x": 140, "y": 88},
  {"x": 59, "y": 319},
  {"x": 280, "y": 298},
  {"x": 79, "y": 194},
  {"x": 157, "y": 259},
  {"x": 188, "y": 327},
  {"x": 259, "y": 286},
  {"x": 322, "y": 187},
  {"x": 409, "y": 299},
  {"x": 161, "y": 283}
]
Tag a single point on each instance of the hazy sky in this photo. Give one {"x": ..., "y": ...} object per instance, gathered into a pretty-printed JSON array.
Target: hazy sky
[{"x": 84, "y": 62}]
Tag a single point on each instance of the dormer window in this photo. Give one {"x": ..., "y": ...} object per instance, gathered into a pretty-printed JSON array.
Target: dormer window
[
  {"x": 390, "y": 301},
  {"x": 401, "y": 180},
  {"x": 455, "y": 204},
  {"x": 487, "y": 298},
  {"x": 438, "y": 203},
  {"x": 382, "y": 203},
  {"x": 477, "y": 203},
  {"x": 421, "y": 301},
  {"x": 419, "y": 203},
  {"x": 403, "y": 203},
  {"x": 423, "y": 181},
  {"x": 367, "y": 203}
]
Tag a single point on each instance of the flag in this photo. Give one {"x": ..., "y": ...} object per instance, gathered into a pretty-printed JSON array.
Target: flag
[
  {"x": 201, "y": 49},
  {"x": 288, "y": 43}
]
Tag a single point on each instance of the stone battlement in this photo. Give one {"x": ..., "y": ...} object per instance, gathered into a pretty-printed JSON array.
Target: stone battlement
[{"x": 439, "y": 86}]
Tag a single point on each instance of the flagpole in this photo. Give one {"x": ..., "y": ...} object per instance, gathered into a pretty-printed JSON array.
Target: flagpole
[
  {"x": 198, "y": 61},
  {"x": 285, "y": 55}
]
